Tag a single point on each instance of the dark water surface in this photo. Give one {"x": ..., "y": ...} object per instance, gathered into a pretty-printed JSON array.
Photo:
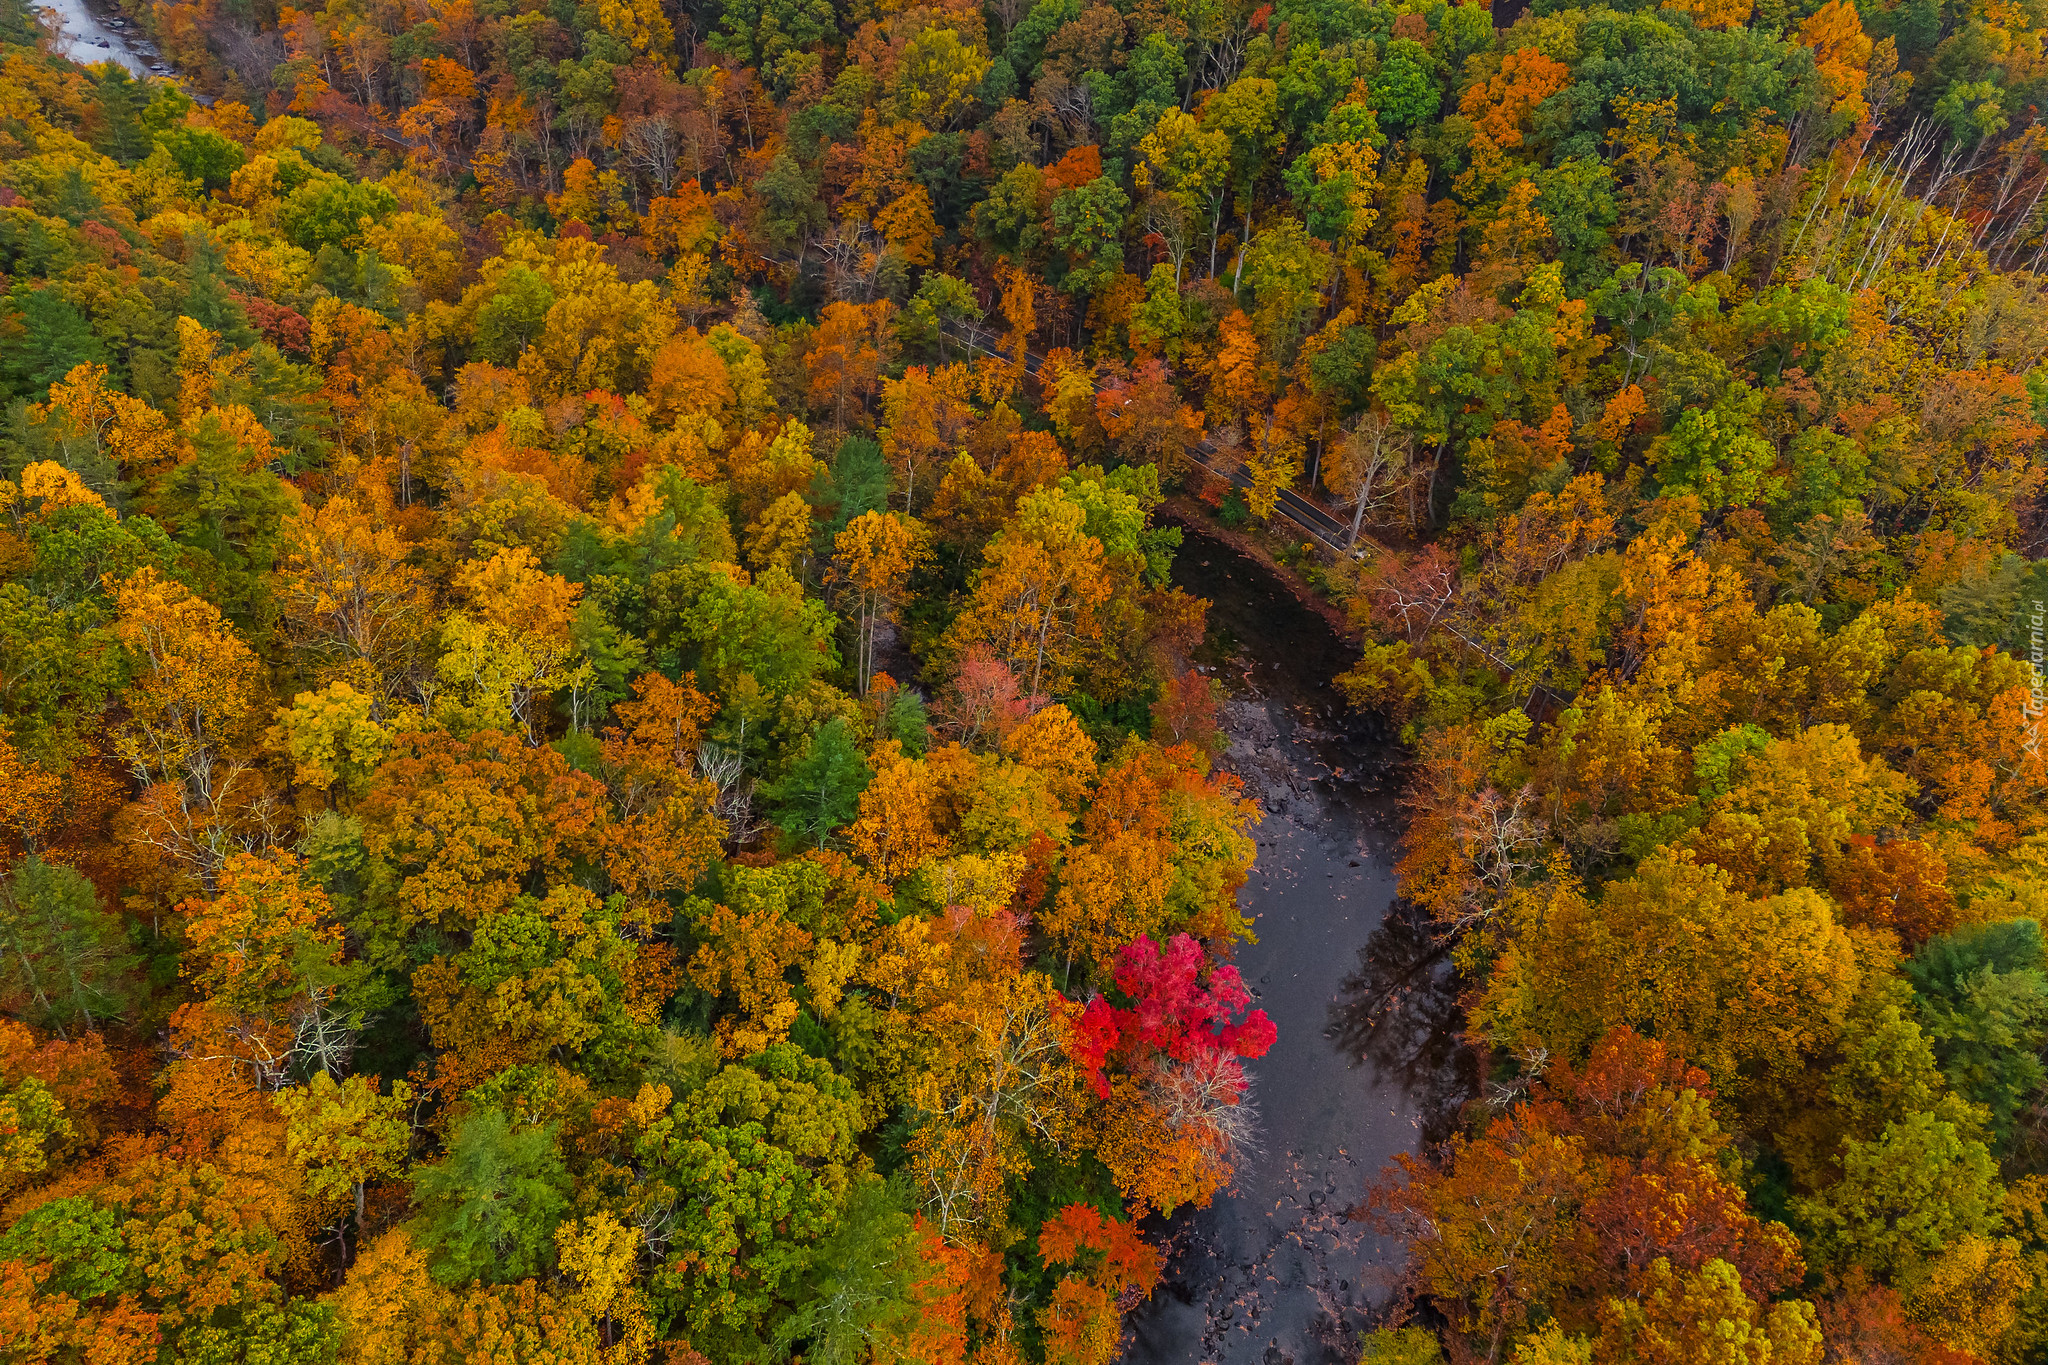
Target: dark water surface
[{"x": 1366, "y": 1064}]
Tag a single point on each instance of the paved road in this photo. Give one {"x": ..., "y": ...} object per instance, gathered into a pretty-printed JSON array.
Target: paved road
[{"x": 1327, "y": 530}]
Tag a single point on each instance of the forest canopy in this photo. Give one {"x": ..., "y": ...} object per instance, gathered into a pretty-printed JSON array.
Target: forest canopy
[{"x": 600, "y": 759}]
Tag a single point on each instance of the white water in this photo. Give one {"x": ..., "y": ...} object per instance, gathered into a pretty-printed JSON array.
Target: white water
[{"x": 80, "y": 33}]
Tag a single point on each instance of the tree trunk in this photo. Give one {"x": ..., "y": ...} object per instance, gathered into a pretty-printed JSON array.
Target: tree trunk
[
  {"x": 1243, "y": 245},
  {"x": 1435, "y": 468}
]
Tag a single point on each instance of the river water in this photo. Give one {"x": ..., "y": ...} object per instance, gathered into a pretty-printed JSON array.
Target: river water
[
  {"x": 1366, "y": 1065},
  {"x": 81, "y": 33}
]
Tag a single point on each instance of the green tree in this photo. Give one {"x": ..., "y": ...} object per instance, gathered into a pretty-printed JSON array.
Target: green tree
[
  {"x": 860, "y": 481},
  {"x": 794, "y": 207},
  {"x": 1706, "y": 1316},
  {"x": 121, "y": 99},
  {"x": 488, "y": 1210},
  {"x": 766, "y": 629},
  {"x": 1904, "y": 1197},
  {"x": 64, "y": 958},
  {"x": 1287, "y": 270},
  {"x": 858, "y": 1291},
  {"x": 83, "y": 1245},
  {"x": 1403, "y": 90},
  {"x": 821, "y": 792},
  {"x": 512, "y": 318},
  {"x": 299, "y": 1332},
  {"x": 768, "y": 33},
  {"x": 202, "y": 155},
  {"x": 1088, "y": 224},
  {"x": 206, "y": 293},
  {"x": 1983, "y": 998},
  {"x": 228, "y": 510},
  {"x": 1401, "y": 1346},
  {"x": 754, "y": 1167},
  {"x": 1716, "y": 453},
  {"x": 541, "y": 978},
  {"x": 1189, "y": 163},
  {"x": 55, "y": 338},
  {"x": 1247, "y": 114},
  {"x": 328, "y": 209},
  {"x": 940, "y": 298},
  {"x": 286, "y": 398}
]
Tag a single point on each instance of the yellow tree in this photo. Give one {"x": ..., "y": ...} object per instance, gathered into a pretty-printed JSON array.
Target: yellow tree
[
  {"x": 1020, "y": 310},
  {"x": 1039, "y": 595},
  {"x": 641, "y": 25},
  {"x": 999, "y": 1078},
  {"x": 514, "y": 649},
  {"x": 344, "y": 1136},
  {"x": 780, "y": 538},
  {"x": 1110, "y": 1268},
  {"x": 266, "y": 958},
  {"x": 191, "y": 709},
  {"x": 389, "y": 1307},
  {"x": 896, "y": 831},
  {"x": 874, "y": 558},
  {"x": 333, "y": 738},
  {"x": 1743, "y": 987},
  {"x": 765, "y": 471},
  {"x": 746, "y": 954},
  {"x": 352, "y": 601},
  {"x": 1841, "y": 49},
  {"x": 909, "y": 227},
  {"x": 98, "y": 427},
  {"x": 847, "y": 356},
  {"x": 1273, "y": 464},
  {"x": 1190, "y": 165},
  {"x": 689, "y": 378},
  {"x": 664, "y": 829},
  {"x": 929, "y": 420},
  {"x": 936, "y": 76}
]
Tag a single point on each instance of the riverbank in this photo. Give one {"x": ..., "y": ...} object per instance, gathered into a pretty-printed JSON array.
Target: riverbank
[
  {"x": 1188, "y": 513},
  {"x": 86, "y": 37},
  {"x": 1274, "y": 1271}
]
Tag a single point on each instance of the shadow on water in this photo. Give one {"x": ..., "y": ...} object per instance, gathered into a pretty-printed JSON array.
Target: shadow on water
[{"x": 1400, "y": 1015}]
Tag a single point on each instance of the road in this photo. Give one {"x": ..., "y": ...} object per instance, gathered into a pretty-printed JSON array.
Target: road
[{"x": 1325, "y": 529}]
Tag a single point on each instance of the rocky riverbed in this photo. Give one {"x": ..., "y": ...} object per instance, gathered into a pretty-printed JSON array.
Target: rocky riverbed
[
  {"x": 1366, "y": 1065},
  {"x": 87, "y": 36}
]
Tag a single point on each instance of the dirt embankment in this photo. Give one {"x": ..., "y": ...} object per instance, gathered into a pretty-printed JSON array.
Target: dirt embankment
[{"x": 1195, "y": 519}]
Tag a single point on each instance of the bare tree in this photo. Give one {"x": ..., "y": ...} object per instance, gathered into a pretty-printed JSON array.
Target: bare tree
[
  {"x": 858, "y": 263},
  {"x": 733, "y": 803},
  {"x": 251, "y": 56},
  {"x": 1369, "y": 471},
  {"x": 654, "y": 147}
]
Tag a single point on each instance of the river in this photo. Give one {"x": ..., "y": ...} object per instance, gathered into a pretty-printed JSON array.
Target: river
[
  {"x": 1366, "y": 1065},
  {"x": 86, "y": 38}
]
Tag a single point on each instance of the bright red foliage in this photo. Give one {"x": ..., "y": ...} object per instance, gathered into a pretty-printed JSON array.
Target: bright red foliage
[{"x": 1172, "y": 1011}]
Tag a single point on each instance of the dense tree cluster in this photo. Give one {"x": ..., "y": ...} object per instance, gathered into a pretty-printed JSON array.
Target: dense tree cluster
[
  {"x": 474, "y": 888},
  {"x": 584, "y": 779}
]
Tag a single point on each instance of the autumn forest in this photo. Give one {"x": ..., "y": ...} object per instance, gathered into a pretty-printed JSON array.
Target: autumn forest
[{"x": 601, "y": 759}]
